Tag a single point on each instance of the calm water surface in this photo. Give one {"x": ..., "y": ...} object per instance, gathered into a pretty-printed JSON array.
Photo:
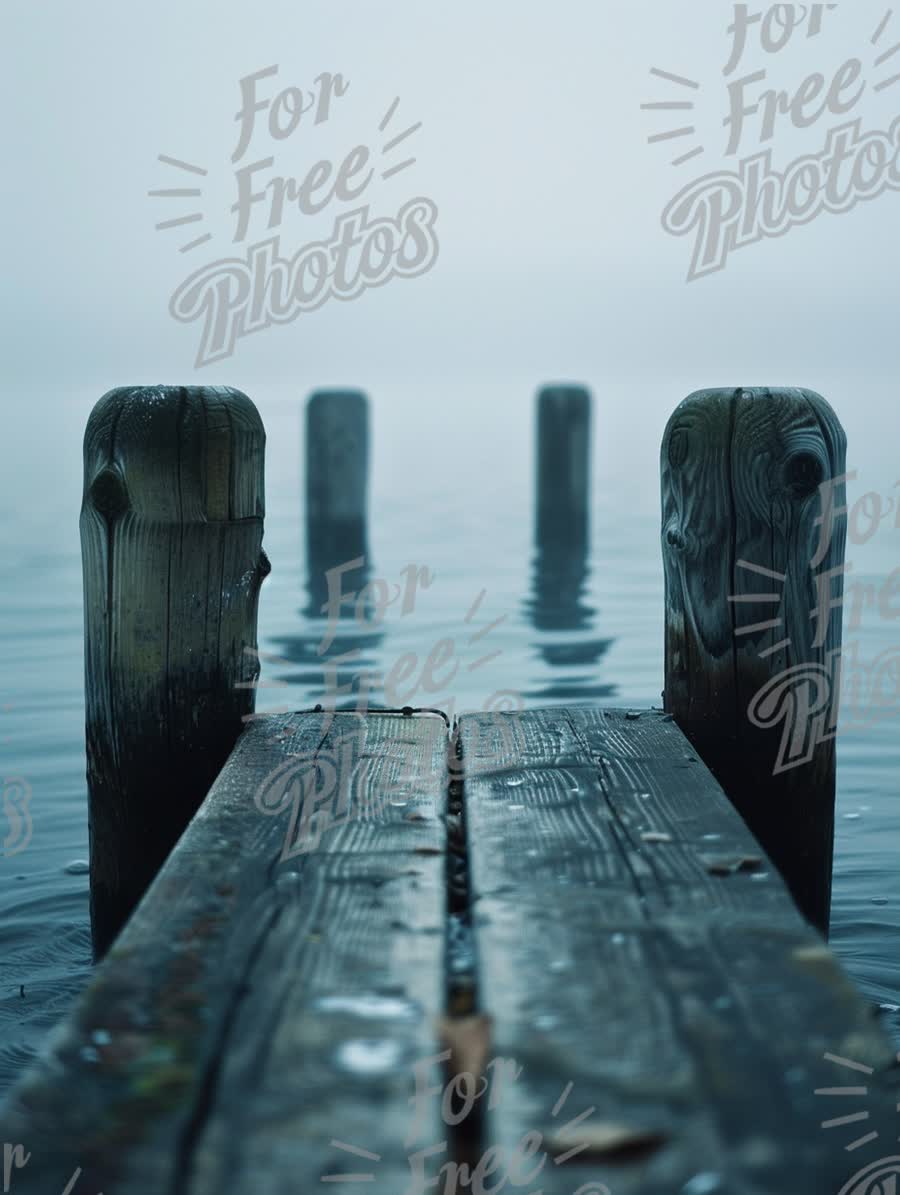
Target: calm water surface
[{"x": 453, "y": 495}]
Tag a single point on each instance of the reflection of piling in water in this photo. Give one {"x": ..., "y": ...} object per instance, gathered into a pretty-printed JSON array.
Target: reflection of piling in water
[
  {"x": 563, "y": 467},
  {"x": 559, "y": 584},
  {"x": 337, "y": 477}
]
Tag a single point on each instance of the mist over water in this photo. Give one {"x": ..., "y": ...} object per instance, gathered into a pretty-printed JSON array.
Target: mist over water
[{"x": 552, "y": 265}]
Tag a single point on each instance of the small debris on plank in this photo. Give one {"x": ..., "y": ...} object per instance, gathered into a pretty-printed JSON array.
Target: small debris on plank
[
  {"x": 604, "y": 1139},
  {"x": 655, "y": 836},
  {"x": 817, "y": 953},
  {"x": 726, "y": 865},
  {"x": 469, "y": 1041}
]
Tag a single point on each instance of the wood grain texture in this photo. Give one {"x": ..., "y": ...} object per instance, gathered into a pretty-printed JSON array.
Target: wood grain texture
[
  {"x": 741, "y": 471},
  {"x": 634, "y": 941},
  {"x": 171, "y": 534},
  {"x": 261, "y": 1004}
]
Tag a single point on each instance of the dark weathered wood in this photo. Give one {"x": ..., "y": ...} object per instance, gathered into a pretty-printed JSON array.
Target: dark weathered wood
[
  {"x": 337, "y": 479},
  {"x": 264, "y": 1002},
  {"x": 634, "y": 941},
  {"x": 171, "y": 534},
  {"x": 563, "y": 468},
  {"x": 562, "y": 527},
  {"x": 638, "y": 958},
  {"x": 741, "y": 471}
]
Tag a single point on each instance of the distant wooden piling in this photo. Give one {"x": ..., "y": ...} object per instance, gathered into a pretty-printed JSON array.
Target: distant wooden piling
[
  {"x": 563, "y": 468},
  {"x": 753, "y": 539},
  {"x": 171, "y": 533},
  {"x": 337, "y": 475}
]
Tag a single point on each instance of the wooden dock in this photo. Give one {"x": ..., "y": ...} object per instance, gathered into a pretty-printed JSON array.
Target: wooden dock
[
  {"x": 646, "y": 1009},
  {"x": 568, "y": 951}
]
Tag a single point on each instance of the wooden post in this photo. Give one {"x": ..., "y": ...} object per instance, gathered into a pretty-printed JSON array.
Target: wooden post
[
  {"x": 557, "y": 601},
  {"x": 171, "y": 535},
  {"x": 337, "y": 473},
  {"x": 563, "y": 468},
  {"x": 753, "y": 536},
  {"x": 337, "y": 482}
]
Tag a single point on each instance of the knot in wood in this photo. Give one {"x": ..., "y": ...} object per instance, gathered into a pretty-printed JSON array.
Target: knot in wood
[
  {"x": 803, "y": 474},
  {"x": 108, "y": 494}
]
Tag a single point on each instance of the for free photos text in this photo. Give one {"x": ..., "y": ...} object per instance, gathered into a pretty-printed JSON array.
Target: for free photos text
[
  {"x": 728, "y": 209},
  {"x": 337, "y": 780},
  {"x": 234, "y": 296},
  {"x": 430, "y": 675},
  {"x": 499, "y": 1167},
  {"x": 806, "y": 699},
  {"x": 16, "y": 1158}
]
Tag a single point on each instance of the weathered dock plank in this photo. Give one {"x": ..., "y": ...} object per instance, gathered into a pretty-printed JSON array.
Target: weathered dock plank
[
  {"x": 641, "y": 958},
  {"x": 263, "y": 1002},
  {"x": 655, "y": 1014}
]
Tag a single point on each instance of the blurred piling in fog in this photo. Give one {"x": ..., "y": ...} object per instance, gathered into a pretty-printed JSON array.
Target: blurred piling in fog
[
  {"x": 558, "y": 602},
  {"x": 337, "y": 483},
  {"x": 563, "y": 469},
  {"x": 562, "y": 518}
]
